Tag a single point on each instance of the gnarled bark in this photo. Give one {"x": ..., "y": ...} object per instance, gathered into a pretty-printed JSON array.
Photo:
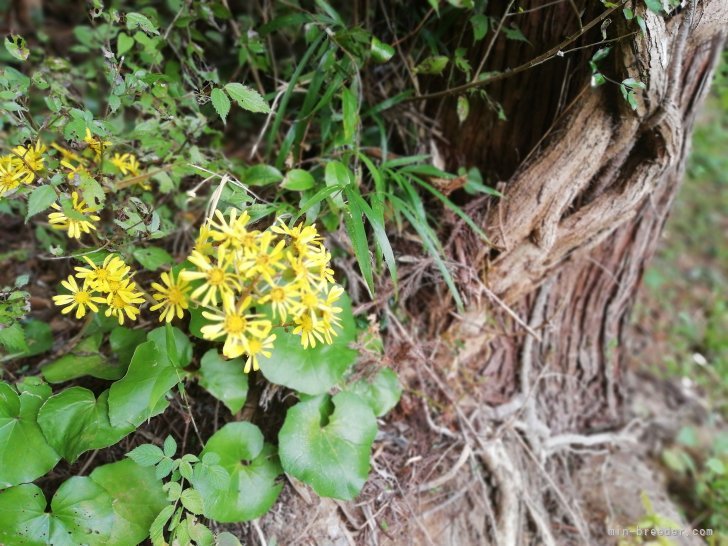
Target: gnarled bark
[{"x": 588, "y": 186}]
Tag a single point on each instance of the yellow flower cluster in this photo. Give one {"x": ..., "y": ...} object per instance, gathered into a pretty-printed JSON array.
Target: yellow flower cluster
[
  {"x": 109, "y": 284},
  {"x": 79, "y": 219},
  {"x": 21, "y": 166},
  {"x": 248, "y": 281}
]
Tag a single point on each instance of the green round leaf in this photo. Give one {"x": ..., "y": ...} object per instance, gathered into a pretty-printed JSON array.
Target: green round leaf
[
  {"x": 73, "y": 422},
  {"x": 224, "y": 379},
  {"x": 332, "y": 457},
  {"x": 173, "y": 345},
  {"x": 140, "y": 394},
  {"x": 81, "y": 513},
  {"x": 137, "y": 499},
  {"x": 313, "y": 370},
  {"x": 152, "y": 258},
  {"x": 382, "y": 392},
  {"x": 298, "y": 180},
  {"x": 25, "y": 453},
  {"x": 253, "y": 468}
]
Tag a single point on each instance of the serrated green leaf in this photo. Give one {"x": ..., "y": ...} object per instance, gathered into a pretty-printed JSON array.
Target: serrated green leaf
[
  {"x": 170, "y": 446},
  {"x": 192, "y": 501},
  {"x": 247, "y": 98},
  {"x": 40, "y": 199},
  {"x": 333, "y": 458},
  {"x": 138, "y": 21},
  {"x": 146, "y": 455},
  {"x": 221, "y": 103}
]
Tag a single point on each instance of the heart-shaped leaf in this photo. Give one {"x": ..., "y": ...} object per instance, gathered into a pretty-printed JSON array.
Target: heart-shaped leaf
[
  {"x": 114, "y": 506},
  {"x": 313, "y": 370},
  {"x": 329, "y": 451},
  {"x": 137, "y": 499},
  {"x": 81, "y": 513},
  {"x": 253, "y": 468},
  {"x": 173, "y": 345},
  {"x": 224, "y": 379},
  {"x": 25, "y": 453},
  {"x": 381, "y": 392},
  {"x": 140, "y": 394},
  {"x": 73, "y": 421}
]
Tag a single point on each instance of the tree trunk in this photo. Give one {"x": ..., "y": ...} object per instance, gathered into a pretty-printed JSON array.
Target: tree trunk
[{"x": 533, "y": 370}]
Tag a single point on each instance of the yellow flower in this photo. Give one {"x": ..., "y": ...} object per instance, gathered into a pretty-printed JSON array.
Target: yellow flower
[
  {"x": 236, "y": 326},
  {"x": 172, "y": 297},
  {"x": 203, "y": 243},
  {"x": 304, "y": 239},
  {"x": 124, "y": 300},
  {"x": 68, "y": 155},
  {"x": 257, "y": 347},
  {"x": 282, "y": 299},
  {"x": 74, "y": 170},
  {"x": 79, "y": 298},
  {"x": 306, "y": 272},
  {"x": 105, "y": 278},
  {"x": 126, "y": 163},
  {"x": 30, "y": 160},
  {"x": 309, "y": 330},
  {"x": 10, "y": 175},
  {"x": 97, "y": 145},
  {"x": 330, "y": 313},
  {"x": 218, "y": 280},
  {"x": 264, "y": 260},
  {"x": 75, "y": 225},
  {"x": 233, "y": 233}
]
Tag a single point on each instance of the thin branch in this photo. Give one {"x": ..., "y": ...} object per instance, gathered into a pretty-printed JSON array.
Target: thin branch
[{"x": 548, "y": 55}]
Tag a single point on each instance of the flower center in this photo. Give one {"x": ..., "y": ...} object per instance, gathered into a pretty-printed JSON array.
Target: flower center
[
  {"x": 175, "y": 296},
  {"x": 102, "y": 274},
  {"x": 277, "y": 294},
  {"x": 82, "y": 298},
  {"x": 216, "y": 276},
  {"x": 309, "y": 300},
  {"x": 306, "y": 323},
  {"x": 118, "y": 302},
  {"x": 255, "y": 346},
  {"x": 235, "y": 324}
]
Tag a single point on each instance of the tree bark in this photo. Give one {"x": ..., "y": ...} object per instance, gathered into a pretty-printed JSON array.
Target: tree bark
[{"x": 534, "y": 366}]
